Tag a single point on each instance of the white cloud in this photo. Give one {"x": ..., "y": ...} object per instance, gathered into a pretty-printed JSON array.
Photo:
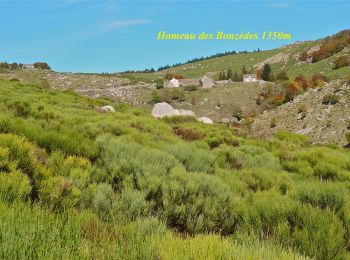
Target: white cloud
[
  {"x": 118, "y": 24},
  {"x": 280, "y": 4}
]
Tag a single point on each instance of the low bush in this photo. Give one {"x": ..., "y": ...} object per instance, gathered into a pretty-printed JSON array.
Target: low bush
[
  {"x": 14, "y": 186},
  {"x": 330, "y": 99},
  {"x": 21, "y": 108},
  {"x": 322, "y": 195},
  {"x": 340, "y": 62},
  {"x": 282, "y": 75},
  {"x": 187, "y": 134},
  {"x": 191, "y": 88},
  {"x": 193, "y": 158},
  {"x": 103, "y": 200},
  {"x": 326, "y": 171},
  {"x": 159, "y": 83},
  {"x": 261, "y": 179},
  {"x": 197, "y": 203}
]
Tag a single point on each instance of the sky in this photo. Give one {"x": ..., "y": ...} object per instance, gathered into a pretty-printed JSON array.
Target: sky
[{"x": 112, "y": 36}]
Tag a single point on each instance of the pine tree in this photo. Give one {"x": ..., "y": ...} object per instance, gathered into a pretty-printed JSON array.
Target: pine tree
[
  {"x": 229, "y": 74},
  {"x": 267, "y": 73}
]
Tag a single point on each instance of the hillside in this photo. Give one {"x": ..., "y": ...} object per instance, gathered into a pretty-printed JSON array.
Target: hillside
[
  {"x": 308, "y": 114},
  {"x": 125, "y": 185}
]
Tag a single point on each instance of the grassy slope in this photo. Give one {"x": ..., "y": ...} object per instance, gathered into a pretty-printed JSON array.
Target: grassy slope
[
  {"x": 116, "y": 184},
  {"x": 235, "y": 62}
]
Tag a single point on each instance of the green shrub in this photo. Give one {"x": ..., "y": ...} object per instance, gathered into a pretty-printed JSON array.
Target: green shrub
[
  {"x": 156, "y": 98},
  {"x": 322, "y": 195},
  {"x": 252, "y": 157},
  {"x": 340, "y": 62},
  {"x": 296, "y": 139},
  {"x": 59, "y": 193},
  {"x": 14, "y": 186},
  {"x": 103, "y": 200},
  {"x": 159, "y": 83},
  {"x": 266, "y": 211},
  {"x": 216, "y": 137},
  {"x": 313, "y": 232},
  {"x": 326, "y": 171},
  {"x": 193, "y": 158},
  {"x": 298, "y": 166},
  {"x": 321, "y": 235},
  {"x": 187, "y": 134},
  {"x": 237, "y": 113},
  {"x": 177, "y": 94},
  {"x": 282, "y": 75},
  {"x": 4, "y": 160},
  {"x": 22, "y": 154},
  {"x": 126, "y": 163},
  {"x": 196, "y": 203},
  {"x": 132, "y": 204},
  {"x": 179, "y": 119},
  {"x": 261, "y": 179},
  {"x": 330, "y": 99},
  {"x": 191, "y": 88},
  {"x": 21, "y": 108}
]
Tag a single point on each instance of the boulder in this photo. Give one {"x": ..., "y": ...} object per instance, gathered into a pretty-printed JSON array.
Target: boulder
[
  {"x": 106, "y": 109},
  {"x": 182, "y": 112},
  {"x": 207, "y": 82},
  {"x": 163, "y": 109},
  {"x": 205, "y": 120}
]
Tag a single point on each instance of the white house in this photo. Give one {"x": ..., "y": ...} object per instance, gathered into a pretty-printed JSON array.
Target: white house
[
  {"x": 249, "y": 78},
  {"x": 173, "y": 83}
]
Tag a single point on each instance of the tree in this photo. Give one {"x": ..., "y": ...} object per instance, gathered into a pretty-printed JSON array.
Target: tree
[
  {"x": 229, "y": 74},
  {"x": 14, "y": 66},
  {"x": 220, "y": 76},
  {"x": 267, "y": 73},
  {"x": 235, "y": 77},
  {"x": 41, "y": 65},
  {"x": 244, "y": 70}
]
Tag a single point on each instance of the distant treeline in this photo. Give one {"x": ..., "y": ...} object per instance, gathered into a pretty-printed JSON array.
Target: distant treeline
[
  {"x": 15, "y": 65},
  {"x": 220, "y": 54}
]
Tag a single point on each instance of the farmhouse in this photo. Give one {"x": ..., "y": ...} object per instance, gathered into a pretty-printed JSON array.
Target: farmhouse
[
  {"x": 249, "y": 78},
  {"x": 28, "y": 66}
]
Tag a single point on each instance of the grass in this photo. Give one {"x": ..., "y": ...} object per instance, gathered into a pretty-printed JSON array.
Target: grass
[{"x": 76, "y": 183}]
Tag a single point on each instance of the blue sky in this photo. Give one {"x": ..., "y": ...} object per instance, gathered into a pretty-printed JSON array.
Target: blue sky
[{"x": 110, "y": 36}]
